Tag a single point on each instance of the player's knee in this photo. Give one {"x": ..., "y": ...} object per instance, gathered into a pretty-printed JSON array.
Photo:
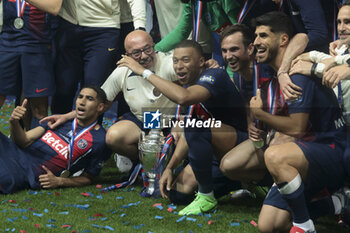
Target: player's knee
[
  {"x": 273, "y": 157},
  {"x": 114, "y": 137},
  {"x": 225, "y": 166},
  {"x": 265, "y": 227}
]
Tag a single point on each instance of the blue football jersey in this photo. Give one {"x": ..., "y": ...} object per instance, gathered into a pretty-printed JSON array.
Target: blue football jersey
[{"x": 36, "y": 34}]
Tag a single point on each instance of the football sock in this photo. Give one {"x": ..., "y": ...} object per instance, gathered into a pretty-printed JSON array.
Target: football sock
[
  {"x": 293, "y": 193},
  {"x": 336, "y": 204},
  {"x": 200, "y": 155}
]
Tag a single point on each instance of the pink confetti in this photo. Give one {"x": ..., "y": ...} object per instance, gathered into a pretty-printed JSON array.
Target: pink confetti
[
  {"x": 210, "y": 222},
  {"x": 170, "y": 209},
  {"x": 12, "y": 201},
  {"x": 99, "y": 186},
  {"x": 98, "y": 215},
  {"x": 64, "y": 226},
  {"x": 37, "y": 225},
  {"x": 74, "y": 231},
  {"x": 85, "y": 194},
  {"x": 253, "y": 223},
  {"x": 57, "y": 194},
  {"x": 23, "y": 231},
  {"x": 157, "y": 204}
]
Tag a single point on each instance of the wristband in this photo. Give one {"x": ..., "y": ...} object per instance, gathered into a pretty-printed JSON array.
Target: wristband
[
  {"x": 146, "y": 73},
  {"x": 313, "y": 67},
  {"x": 319, "y": 68},
  {"x": 141, "y": 28}
]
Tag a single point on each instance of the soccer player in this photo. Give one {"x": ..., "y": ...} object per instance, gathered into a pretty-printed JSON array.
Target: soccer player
[
  {"x": 86, "y": 42},
  {"x": 244, "y": 162},
  {"x": 214, "y": 98},
  {"x": 44, "y": 158},
  {"x": 302, "y": 168},
  {"x": 26, "y": 62}
]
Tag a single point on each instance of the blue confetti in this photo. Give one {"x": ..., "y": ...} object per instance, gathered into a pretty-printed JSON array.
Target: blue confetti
[
  {"x": 19, "y": 210},
  {"x": 99, "y": 196},
  {"x": 119, "y": 198},
  {"x": 200, "y": 225},
  {"x": 122, "y": 215},
  {"x": 64, "y": 212},
  {"x": 4, "y": 211},
  {"x": 46, "y": 210},
  {"x": 52, "y": 203},
  {"x": 91, "y": 194},
  {"x": 109, "y": 228},
  {"x": 24, "y": 217},
  {"x": 51, "y": 220},
  {"x": 191, "y": 219},
  {"x": 234, "y": 224},
  {"x": 103, "y": 219},
  {"x": 181, "y": 219},
  {"x": 159, "y": 207},
  {"x": 39, "y": 215},
  {"x": 50, "y": 225},
  {"x": 126, "y": 222},
  {"x": 33, "y": 192},
  {"x": 95, "y": 225},
  {"x": 138, "y": 226},
  {"x": 158, "y": 217}
]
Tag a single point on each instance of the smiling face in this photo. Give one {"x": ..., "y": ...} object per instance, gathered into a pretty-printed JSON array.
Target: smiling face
[
  {"x": 188, "y": 65},
  {"x": 139, "y": 42},
  {"x": 266, "y": 44},
  {"x": 88, "y": 107},
  {"x": 343, "y": 23},
  {"x": 235, "y": 54}
]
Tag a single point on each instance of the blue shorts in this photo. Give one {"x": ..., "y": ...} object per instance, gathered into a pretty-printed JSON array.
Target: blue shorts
[
  {"x": 30, "y": 72},
  {"x": 84, "y": 54},
  {"x": 326, "y": 170}
]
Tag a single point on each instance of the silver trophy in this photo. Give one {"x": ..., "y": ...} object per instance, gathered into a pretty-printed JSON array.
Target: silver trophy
[{"x": 150, "y": 147}]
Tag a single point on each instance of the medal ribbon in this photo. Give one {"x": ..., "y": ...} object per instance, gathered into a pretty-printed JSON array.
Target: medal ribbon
[
  {"x": 20, "y": 6},
  {"x": 245, "y": 10},
  {"x": 197, "y": 19},
  {"x": 272, "y": 98},
  {"x": 74, "y": 137},
  {"x": 280, "y": 5}
]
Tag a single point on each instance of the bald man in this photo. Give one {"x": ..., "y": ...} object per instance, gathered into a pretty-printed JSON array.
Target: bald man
[{"x": 139, "y": 94}]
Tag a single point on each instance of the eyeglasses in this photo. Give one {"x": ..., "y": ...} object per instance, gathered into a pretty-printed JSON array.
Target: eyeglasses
[{"x": 136, "y": 54}]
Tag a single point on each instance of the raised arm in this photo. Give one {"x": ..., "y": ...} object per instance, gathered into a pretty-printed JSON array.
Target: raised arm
[
  {"x": 49, "y": 6},
  {"x": 18, "y": 135},
  {"x": 176, "y": 93}
]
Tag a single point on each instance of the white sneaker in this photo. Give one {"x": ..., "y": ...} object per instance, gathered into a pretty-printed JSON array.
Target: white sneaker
[{"x": 123, "y": 163}]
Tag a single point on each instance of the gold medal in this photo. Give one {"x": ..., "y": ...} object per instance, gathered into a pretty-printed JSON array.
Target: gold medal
[
  {"x": 65, "y": 173},
  {"x": 18, "y": 23}
]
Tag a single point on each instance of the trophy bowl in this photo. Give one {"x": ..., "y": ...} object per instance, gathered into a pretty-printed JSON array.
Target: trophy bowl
[{"x": 150, "y": 147}]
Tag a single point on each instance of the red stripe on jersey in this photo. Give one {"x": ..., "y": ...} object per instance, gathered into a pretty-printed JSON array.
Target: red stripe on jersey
[{"x": 37, "y": 22}]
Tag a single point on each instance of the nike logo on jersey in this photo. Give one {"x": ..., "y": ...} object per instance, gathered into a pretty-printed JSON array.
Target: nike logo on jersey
[
  {"x": 111, "y": 49},
  {"x": 332, "y": 146},
  {"x": 130, "y": 89},
  {"x": 40, "y": 90}
]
